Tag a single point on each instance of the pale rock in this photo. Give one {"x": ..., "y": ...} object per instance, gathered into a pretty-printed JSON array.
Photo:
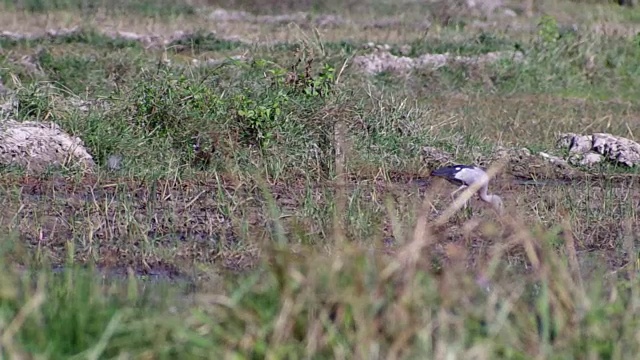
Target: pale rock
[
  {"x": 614, "y": 148},
  {"x": 35, "y": 146},
  {"x": 591, "y": 159}
]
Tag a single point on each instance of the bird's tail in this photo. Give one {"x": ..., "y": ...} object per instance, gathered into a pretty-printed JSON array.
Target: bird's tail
[{"x": 447, "y": 172}]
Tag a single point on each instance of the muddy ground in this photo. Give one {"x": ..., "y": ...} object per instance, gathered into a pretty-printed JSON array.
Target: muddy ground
[{"x": 162, "y": 230}]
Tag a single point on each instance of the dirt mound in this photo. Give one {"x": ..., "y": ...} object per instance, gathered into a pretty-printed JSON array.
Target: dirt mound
[
  {"x": 36, "y": 146},
  {"x": 382, "y": 60},
  {"x": 523, "y": 164},
  {"x": 300, "y": 18},
  {"x": 518, "y": 163},
  {"x": 147, "y": 40}
]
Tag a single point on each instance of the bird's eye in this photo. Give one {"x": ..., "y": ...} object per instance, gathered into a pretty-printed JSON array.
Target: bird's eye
[{"x": 457, "y": 169}]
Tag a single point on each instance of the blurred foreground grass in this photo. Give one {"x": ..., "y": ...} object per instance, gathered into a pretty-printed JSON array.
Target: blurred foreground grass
[{"x": 348, "y": 303}]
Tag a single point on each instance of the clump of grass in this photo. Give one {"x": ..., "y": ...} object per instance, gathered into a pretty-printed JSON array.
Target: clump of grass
[
  {"x": 202, "y": 41},
  {"x": 269, "y": 109},
  {"x": 73, "y": 313}
]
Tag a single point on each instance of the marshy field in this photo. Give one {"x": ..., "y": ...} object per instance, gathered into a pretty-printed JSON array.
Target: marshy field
[{"x": 260, "y": 181}]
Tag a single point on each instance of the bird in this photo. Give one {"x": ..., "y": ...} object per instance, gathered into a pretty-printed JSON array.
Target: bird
[{"x": 467, "y": 175}]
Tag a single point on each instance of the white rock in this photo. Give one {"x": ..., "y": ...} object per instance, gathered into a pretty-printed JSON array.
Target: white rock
[
  {"x": 611, "y": 147},
  {"x": 36, "y": 146},
  {"x": 581, "y": 144},
  {"x": 509, "y": 13},
  {"x": 591, "y": 159},
  {"x": 616, "y": 148}
]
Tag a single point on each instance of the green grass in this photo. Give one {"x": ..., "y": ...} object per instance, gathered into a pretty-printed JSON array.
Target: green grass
[
  {"x": 298, "y": 227},
  {"x": 311, "y": 304}
]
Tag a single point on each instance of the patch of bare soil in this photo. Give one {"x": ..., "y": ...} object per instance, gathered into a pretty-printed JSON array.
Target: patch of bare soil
[{"x": 121, "y": 224}]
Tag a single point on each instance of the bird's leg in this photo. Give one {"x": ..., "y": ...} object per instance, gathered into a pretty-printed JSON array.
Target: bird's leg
[
  {"x": 460, "y": 188},
  {"x": 465, "y": 205}
]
